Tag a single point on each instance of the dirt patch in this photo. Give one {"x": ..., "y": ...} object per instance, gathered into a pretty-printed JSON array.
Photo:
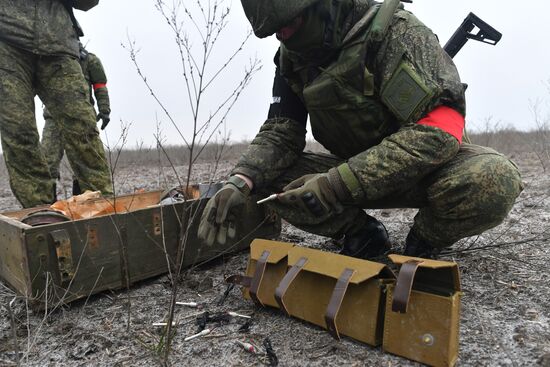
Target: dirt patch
[{"x": 504, "y": 321}]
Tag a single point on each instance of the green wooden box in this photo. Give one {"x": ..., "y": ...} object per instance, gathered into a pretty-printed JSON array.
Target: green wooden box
[{"x": 66, "y": 261}]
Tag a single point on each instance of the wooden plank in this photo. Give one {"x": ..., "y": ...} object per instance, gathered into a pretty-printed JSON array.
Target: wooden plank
[
  {"x": 95, "y": 258},
  {"x": 13, "y": 257}
]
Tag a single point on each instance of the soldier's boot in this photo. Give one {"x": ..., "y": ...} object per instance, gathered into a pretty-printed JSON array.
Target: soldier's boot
[
  {"x": 369, "y": 241},
  {"x": 76, "y": 187},
  {"x": 417, "y": 247}
]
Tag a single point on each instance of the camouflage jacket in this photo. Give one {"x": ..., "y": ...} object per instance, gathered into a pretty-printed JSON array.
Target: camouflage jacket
[
  {"x": 97, "y": 79},
  {"x": 385, "y": 149},
  {"x": 43, "y": 27}
]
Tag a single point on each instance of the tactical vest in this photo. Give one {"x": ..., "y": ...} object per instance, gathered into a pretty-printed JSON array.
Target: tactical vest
[{"x": 346, "y": 112}]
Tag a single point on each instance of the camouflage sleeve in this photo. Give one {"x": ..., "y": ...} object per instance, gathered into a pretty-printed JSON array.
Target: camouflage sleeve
[
  {"x": 415, "y": 150},
  {"x": 98, "y": 79},
  {"x": 411, "y": 44},
  {"x": 400, "y": 160},
  {"x": 281, "y": 139}
]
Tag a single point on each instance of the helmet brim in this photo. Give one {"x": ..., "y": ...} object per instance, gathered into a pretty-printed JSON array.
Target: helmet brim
[{"x": 268, "y": 16}]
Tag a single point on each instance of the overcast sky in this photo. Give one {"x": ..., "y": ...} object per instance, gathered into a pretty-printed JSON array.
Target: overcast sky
[{"x": 503, "y": 80}]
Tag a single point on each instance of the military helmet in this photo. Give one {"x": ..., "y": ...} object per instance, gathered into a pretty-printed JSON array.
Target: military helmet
[{"x": 269, "y": 16}]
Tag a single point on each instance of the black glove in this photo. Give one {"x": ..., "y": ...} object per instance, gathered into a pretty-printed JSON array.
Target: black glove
[
  {"x": 218, "y": 221},
  {"x": 105, "y": 119}
]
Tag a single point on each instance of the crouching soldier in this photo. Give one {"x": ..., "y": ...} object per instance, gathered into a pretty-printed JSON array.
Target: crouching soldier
[{"x": 387, "y": 101}]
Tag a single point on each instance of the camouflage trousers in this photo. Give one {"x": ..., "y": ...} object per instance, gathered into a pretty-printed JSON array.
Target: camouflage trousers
[
  {"x": 52, "y": 144},
  {"x": 60, "y": 84},
  {"x": 471, "y": 193}
]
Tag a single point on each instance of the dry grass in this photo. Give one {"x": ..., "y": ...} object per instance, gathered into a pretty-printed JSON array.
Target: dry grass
[
  {"x": 177, "y": 155},
  {"x": 508, "y": 141}
]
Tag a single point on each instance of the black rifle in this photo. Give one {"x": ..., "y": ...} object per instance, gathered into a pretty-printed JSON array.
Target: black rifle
[{"x": 485, "y": 33}]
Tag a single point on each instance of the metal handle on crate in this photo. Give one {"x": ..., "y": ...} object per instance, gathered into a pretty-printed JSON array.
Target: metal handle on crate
[{"x": 63, "y": 251}]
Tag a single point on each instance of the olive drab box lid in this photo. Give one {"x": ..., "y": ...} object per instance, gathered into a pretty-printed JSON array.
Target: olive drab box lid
[
  {"x": 423, "y": 311},
  {"x": 87, "y": 246},
  {"x": 340, "y": 293}
]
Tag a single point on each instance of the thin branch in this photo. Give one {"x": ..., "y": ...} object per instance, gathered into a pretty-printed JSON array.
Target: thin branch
[{"x": 133, "y": 56}]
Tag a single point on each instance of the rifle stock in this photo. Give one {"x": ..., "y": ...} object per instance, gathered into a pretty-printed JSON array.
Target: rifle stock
[{"x": 471, "y": 28}]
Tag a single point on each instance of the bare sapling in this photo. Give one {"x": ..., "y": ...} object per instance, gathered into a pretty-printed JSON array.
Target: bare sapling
[{"x": 198, "y": 28}]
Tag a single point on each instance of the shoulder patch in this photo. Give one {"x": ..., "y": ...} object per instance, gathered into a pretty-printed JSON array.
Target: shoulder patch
[{"x": 406, "y": 93}]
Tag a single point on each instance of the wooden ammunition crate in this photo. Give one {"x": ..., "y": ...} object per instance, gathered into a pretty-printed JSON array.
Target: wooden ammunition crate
[{"x": 66, "y": 261}]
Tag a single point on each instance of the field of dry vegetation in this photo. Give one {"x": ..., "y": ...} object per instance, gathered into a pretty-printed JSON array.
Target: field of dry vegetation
[{"x": 505, "y": 318}]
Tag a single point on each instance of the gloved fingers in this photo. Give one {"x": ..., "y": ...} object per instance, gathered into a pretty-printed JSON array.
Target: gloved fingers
[
  {"x": 98, "y": 117},
  {"x": 207, "y": 233},
  {"x": 207, "y": 227},
  {"x": 202, "y": 233},
  {"x": 106, "y": 120},
  {"x": 305, "y": 201},
  {"x": 289, "y": 198},
  {"x": 299, "y": 182},
  {"x": 231, "y": 224},
  {"x": 232, "y": 229},
  {"x": 221, "y": 237},
  {"x": 211, "y": 237},
  {"x": 313, "y": 203},
  {"x": 224, "y": 204}
]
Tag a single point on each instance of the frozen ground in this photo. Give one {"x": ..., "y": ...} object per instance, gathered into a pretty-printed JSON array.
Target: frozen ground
[{"x": 505, "y": 308}]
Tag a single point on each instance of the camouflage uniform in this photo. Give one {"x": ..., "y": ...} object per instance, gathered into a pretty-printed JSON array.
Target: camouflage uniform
[
  {"x": 363, "y": 110},
  {"x": 38, "y": 56},
  {"x": 52, "y": 143}
]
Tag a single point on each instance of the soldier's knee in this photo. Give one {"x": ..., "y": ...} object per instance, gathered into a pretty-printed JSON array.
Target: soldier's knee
[{"x": 497, "y": 184}]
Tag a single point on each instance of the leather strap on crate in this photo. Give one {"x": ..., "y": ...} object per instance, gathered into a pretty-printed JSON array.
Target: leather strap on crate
[
  {"x": 336, "y": 301},
  {"x": 241, "y": 280},
  {"x": 253, "y": 282},
  {"x": 286, "y": 281},
  {"x": 257, "y": 278},
  {"x": 403, "y": 286}
]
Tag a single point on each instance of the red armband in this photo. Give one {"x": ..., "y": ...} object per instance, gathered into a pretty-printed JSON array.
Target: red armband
[
  {"x": 446, "y": 119},
  {"x": 99, "y": 85}
]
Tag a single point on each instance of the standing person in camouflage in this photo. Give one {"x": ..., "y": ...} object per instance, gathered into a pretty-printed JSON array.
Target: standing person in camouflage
[
  {"x": 39, "y": 56},
  {"x": 386, "y": 100},
  {"x": 52, "y": 142}
]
